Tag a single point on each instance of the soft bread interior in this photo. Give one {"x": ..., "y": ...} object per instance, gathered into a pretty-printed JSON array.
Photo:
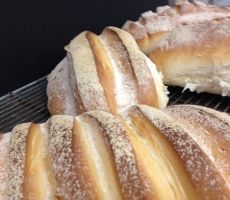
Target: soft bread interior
[
  {"x": 161, "y": 163},
  {"x": 161, "y": 89},
  {"x": 96, "y": 162},
  {"x": 39, "y": 182}
]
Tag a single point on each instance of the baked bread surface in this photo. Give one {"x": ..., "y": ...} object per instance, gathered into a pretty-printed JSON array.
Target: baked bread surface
[
  {"x": 144, "y": 153},
  {"x": 189, "y": 44},
  {"x": 106, "y": 72}
]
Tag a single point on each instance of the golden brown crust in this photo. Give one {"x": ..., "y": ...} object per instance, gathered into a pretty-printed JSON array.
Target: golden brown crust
[
  {"x": 145, "y": 80},
  {"x": 210, "y": 129},
  {"x": 102, "y": 182},
  {"x": 205, "y": 63},
  {"x": 133, "y": 179},
  {"x": 201, "y": 170},
  {"x": 142, "y": 154},
  {"x": 162, "y": 162},
  {"x": 106, "y": 72},
  {"x": 189, "y": 44},
  {"x": 39, "y": 182}
]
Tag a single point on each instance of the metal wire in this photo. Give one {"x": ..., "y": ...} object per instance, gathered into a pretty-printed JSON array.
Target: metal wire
[
  {"x": 26, "y": 104},
  {"x": 29, "y": 103},
  {"x": 216, "y": 102}
]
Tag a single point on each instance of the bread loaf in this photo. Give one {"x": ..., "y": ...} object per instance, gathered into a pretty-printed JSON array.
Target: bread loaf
[
  {"x": 4, "y": 145},
  {"x": 106, "y": 72},
  {"x": 189, "y": 44},
  {"x": 209, "y": 128},
  {"x": 141, "y": 154}
]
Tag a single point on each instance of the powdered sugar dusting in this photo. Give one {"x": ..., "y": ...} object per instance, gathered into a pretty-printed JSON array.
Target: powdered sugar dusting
[
  {"x": 4, "y": 146},
  {"x": 16, "y": 164},
  {"x": 202, "y": 171},
  {"x": 60, "y": 143},
  {"x": 123, "y": 154}
]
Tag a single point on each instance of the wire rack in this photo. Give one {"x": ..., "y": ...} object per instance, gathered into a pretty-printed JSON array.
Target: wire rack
[
  {"x": 29, "y": 103},
  {"x": 23, "y": 105}
]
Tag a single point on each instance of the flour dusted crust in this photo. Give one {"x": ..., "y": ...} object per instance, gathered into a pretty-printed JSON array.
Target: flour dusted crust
[
  {"x": 210, "y": 129},
  {"x": 16, "y": 161},
  {"x": 4, "y": 147},
  {"x": 189, "y": 44},
  {"x": 60, "y": 96},
  {"x": 209, "y": 179},
  {"x": 106, "y": 72},
  {"x": 143, "y": 153}
]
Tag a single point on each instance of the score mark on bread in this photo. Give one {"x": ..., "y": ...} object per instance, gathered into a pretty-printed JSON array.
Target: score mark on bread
[
  {"x": 106, "y": 72},
  {"x": 189, "y": 43},
  {"x": 141, "y": 154}
]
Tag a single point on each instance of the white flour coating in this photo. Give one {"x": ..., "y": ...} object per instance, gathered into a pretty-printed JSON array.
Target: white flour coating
[
  {"x": 167, "y": 19},
  {"x": 210, "y": 129},
  {"x": 124, "y": 156},
  {"x": 4, "y": 147},
  {"x": 165, "y": 10},
  {"x": 199, "y": 167},
  {"x": 59, "y": 88},
  {"x": 137, "y": 30},
  {"x": 125, "y": 88},
  {"x": 159, "y": 24},
  {"x": 192, "y": 35},
  {"x": 60, "y": 145},
  {"x": 144, "y": 72},
  {"x": 198, "y": 29},
  {"x": 16, "y": 162},
  {"x": 128, "y": 66},
  {"x": 100, "y": 155},
  {"x": 90, "y": 89}
]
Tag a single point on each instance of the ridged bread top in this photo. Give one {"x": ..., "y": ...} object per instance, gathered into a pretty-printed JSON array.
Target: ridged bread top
[
  {"x": 189, "y": 43},
  {"x": 106, "y": 72},
  {"x": 99, "y": 156},
  {"x": 167, "y": 18}
]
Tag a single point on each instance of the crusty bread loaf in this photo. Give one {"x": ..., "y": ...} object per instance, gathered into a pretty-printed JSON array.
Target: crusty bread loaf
[
  {"x": 198, "y": 164},
  {"x": 141, "y": 154},
  {"x": 210, "y": 129},
  {"x": 189, "y": 44},
  {"x": 106, "y": 72},
  {"x": 4, "y": 146}
]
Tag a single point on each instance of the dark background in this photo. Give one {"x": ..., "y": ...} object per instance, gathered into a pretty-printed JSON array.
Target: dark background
[{"x": 34, "y": 33}]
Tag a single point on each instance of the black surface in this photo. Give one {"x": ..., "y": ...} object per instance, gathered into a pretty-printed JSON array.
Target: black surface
[
  {"x": 34, "y": 33},
  {"x": 29, "y": 103}
]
